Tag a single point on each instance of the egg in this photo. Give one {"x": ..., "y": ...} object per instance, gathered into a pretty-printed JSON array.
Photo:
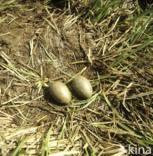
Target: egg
[
  {"x": 59, "y": 92},
  {"x": 81, "y": 87}
]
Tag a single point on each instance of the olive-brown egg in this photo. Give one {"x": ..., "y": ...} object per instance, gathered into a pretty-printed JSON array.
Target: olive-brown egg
[
  {"x": 82, "y": 87},
  {"x": 59, "y": 92}
]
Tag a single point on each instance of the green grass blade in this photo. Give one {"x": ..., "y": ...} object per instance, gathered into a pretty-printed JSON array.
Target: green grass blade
[{"x": 19, "y": 148}]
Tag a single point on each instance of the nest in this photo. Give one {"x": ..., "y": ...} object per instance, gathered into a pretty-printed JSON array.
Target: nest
[{"x": 38, "y": 44}]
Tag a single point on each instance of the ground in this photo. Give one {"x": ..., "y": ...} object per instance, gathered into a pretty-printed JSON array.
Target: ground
[{"x": 39, "y": 44}]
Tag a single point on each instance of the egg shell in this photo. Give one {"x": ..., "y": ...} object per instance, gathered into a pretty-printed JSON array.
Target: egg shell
[
  {"x": 82, "y": 87},
  {"x": 59, "y": 92}
]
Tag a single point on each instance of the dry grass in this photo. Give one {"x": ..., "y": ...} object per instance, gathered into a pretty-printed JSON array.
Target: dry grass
[{"x": 113, "y": 49}]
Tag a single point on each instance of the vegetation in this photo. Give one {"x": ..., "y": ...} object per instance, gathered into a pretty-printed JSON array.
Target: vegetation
[{"x": 110, "y": 42}]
